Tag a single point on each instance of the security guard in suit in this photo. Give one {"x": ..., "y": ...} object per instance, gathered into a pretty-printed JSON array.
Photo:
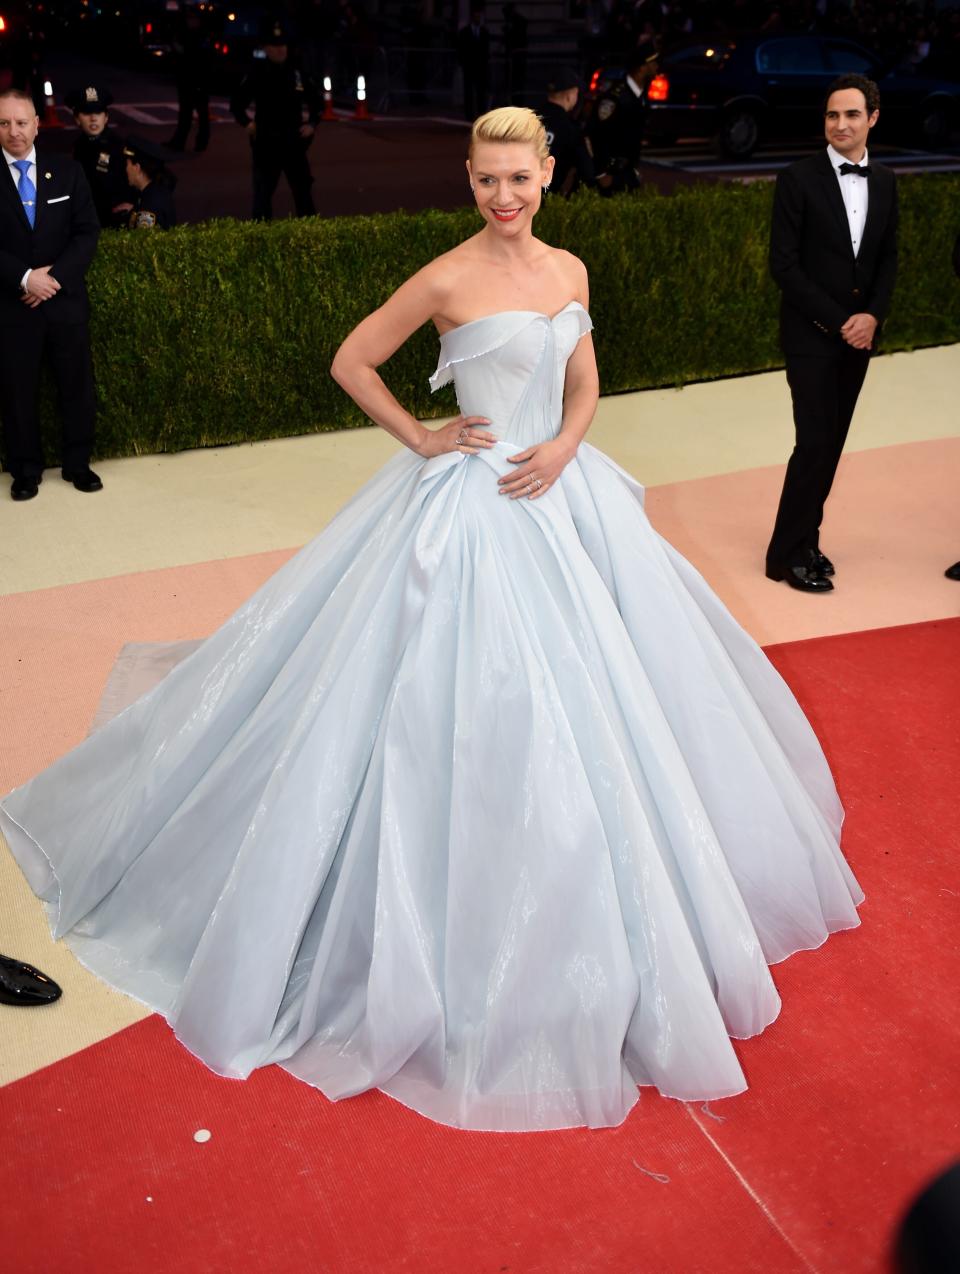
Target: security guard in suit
[
  {"x": 286, "y": 111},
  {"x": 99, "y": 152},
  {"x": 616, "y": 128}
]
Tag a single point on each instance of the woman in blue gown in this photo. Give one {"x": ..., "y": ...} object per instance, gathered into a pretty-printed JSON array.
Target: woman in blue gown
[{"x": 484, "y": 799}]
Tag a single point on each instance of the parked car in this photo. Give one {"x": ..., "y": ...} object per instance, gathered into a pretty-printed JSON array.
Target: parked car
[{"x": 738, "y": 93}]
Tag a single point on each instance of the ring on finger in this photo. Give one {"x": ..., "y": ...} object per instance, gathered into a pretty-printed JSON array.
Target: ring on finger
[{"x": 538, "y": 483}]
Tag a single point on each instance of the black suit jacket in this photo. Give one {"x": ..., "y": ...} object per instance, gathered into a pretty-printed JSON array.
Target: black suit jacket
[
  {"x": 64, "y": 236},
  {"x": 811, "y": 258}
]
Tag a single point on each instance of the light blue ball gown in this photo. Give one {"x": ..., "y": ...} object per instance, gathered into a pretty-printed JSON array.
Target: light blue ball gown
[{"x": 488, "y": 804}]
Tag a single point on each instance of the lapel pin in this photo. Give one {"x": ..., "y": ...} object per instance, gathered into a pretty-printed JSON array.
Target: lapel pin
[{"x": 48, "y": 175}]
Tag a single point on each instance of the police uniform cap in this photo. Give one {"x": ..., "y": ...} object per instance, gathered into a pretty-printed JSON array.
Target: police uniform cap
[
  {"x": 89, "y": 100},
  {"x": 274, "y": 31},
  {"x": 562, "y": 79},
  {"x": 138, "y": 148}
]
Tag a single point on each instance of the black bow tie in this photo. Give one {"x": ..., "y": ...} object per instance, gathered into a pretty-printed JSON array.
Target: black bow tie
[{"x": 860, "y": 170}]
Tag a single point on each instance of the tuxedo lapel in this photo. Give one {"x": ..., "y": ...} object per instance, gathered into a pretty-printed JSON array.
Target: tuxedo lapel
[{"x": 831, "y": 193}]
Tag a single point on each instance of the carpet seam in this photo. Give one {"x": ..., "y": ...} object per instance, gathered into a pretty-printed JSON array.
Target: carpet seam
[{"x": 748, "y": 1188}]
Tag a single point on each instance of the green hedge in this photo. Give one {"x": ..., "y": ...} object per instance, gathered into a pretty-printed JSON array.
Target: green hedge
[{"x": 225, "y": 332}]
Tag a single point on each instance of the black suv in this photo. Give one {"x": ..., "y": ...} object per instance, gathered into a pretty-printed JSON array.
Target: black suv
[{"x": 741, "y": 92}]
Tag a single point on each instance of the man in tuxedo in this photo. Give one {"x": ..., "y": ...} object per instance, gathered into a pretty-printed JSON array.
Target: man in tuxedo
[
  {"x": 48, "y": 235},
  {"x": 833, "y": 254}
]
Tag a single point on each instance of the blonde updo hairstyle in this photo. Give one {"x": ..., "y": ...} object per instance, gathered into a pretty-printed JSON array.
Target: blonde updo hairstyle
[{"x": 511, "y": 124}]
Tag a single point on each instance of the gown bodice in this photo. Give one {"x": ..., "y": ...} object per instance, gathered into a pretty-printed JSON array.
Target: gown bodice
[{"x": 510, "y": 367}]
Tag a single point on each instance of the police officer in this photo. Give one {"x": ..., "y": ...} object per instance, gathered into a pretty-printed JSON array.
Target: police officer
[
  {"x": 153, "y": 185},
  {"x": 99, "y": 152},
  {"x": 616, "y": 128},
  {"x": 286, "y": 110},
  {"x": 568, "y": 146}
]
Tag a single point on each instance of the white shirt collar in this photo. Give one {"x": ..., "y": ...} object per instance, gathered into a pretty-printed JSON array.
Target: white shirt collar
[
  {"x": 633, "y": 86},
  {"x": 12, "y": 159},
  {"x": 837, "y": 159}
]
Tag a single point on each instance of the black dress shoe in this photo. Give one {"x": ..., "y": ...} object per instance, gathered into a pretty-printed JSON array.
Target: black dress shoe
[
  {"x": 953, "y": 572},
  {"x": 24, "y": 986},
  {"x": 82, "y": 479},
  {"x": 803, "y": 577},
  {"x": 821, "y": 563},
  {"x": 24, "y": 488}
]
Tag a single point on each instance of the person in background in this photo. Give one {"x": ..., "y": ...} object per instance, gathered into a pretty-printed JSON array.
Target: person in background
[
  {"x": 514, "y": 36},
  {"x": 193, "y": 58},
  {"x": 286, "y": 110},
  {"x": 48, "y": 237},
  {"x": 616, "y": 128},
  {"x": 473, "y": 54},
  {"x": 153, "y": 185},
  {"x": 99, "y": 152},
  {"x": 833, "y": 255},
  {"x": 573, "y": 165}
]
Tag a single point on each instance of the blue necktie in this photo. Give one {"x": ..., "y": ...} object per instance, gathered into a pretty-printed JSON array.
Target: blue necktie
[{"x": 28, "y": 191}]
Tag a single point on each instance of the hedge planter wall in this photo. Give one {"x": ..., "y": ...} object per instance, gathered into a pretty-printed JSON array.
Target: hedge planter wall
[{"x": 225, "y": 332}]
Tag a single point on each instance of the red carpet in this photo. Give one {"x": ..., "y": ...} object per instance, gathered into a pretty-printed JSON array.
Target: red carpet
[{"x": 852, "y": 1104}]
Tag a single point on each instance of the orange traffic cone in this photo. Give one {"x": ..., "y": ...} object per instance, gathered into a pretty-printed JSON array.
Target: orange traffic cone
[
  {"x": 327, "y": 99},
  {"x": 361, "y": 112},
  {"x": 50, "y": 117}
]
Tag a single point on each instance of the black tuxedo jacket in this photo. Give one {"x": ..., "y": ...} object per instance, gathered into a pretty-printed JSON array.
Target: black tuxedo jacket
[
  {"x": 64, "y": 236},
  {"x": 811, "y": 258}
]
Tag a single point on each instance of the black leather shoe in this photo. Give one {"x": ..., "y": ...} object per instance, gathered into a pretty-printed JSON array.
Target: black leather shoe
[
  {"x": 82, "y": 479},
  {"x": 803, "y": 577},
  {"x": 24, "y": 488},
  {"x": 24, "y": 986},
  {"x": 953, "y": 572},
  {"x": 821, "y": 563}
]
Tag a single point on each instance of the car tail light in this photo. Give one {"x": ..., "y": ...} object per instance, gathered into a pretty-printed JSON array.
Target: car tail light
[
  {"x": 148, "y": 28},
  {"x": 658, "y": 90},
  {"x": 3, "y": 23},
  {"x": 594, "y": 80},
  {"x": 225, "y": 49}
]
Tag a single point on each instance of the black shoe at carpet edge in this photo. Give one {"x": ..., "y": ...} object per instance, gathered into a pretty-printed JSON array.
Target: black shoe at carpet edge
[
  {"x": 24, "y": 488},
  {"x": 23, "y": 986},
  {"x": 82, "y": 479},
  {"x": 821, "y": 563},
  {"x": 953, "y": 572},
  {"x": 804, "y": 578}
]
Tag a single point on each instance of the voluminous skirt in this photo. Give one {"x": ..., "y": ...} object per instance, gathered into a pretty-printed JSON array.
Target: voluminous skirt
[{"x": 487, "y": 804}]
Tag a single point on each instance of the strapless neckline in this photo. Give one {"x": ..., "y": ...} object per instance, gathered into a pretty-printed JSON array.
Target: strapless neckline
[{"x": 550, "y": 318}]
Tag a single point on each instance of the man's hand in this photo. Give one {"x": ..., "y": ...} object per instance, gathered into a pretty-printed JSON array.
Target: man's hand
[
  {"x": 306, "y": 131},
  {"x": 31, "y": 301},
  {"x": 41, "y": 285},
  {"x": 859, "y": 330},
  {"x": 252, "y": 128},
  {"x": 122, "y": 207}
]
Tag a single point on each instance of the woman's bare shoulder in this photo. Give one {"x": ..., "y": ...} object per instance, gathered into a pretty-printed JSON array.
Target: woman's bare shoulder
[{"x": 574, "y": 273}]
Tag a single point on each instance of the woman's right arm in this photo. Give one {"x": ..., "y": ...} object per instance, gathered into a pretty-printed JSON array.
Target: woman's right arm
[{"x": 379, "y": 336}]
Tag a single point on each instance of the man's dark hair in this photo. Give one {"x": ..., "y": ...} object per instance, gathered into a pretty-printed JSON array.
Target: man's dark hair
[{"x": 871, "y": 94}]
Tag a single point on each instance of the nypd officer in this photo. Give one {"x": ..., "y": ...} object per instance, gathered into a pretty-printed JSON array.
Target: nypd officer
[
  {"x": 616, "y": 128},
  {"x": 99, "y": 152},
  {"x": 153, "y": 185},
  {"x": 568, "y": 146},
  {"x": 286, "y": 110}
]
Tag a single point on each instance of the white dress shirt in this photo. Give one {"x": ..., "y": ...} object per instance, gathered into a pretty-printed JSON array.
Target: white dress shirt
[
  {"x": 856, "y": 196},
  {"x": 15, "y": 174}
]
